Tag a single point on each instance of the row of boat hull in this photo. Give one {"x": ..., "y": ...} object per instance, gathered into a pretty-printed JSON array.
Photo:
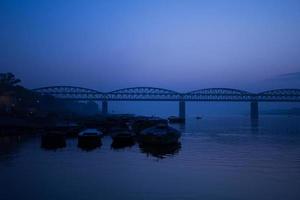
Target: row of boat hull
[{"x": 160, "y": 134}]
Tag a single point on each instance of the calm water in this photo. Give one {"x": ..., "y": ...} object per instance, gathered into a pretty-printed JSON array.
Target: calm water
[{"x": 219, "y": 158}]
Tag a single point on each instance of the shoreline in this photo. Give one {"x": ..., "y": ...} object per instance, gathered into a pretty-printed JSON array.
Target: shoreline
[{"x": 14, "y": 126}]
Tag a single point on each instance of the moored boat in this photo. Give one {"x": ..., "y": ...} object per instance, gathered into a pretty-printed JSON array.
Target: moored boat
[
  {"x": 161, "y": 134},
  {"x": 120, "y": 144},
  {"x": 146, "y": 122},
  {"x": 89, "y": 138},
  {"x": 122, "y": 136}
]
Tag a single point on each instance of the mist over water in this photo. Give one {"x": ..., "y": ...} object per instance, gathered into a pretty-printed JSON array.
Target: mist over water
[{"x": 193, "y": 109}]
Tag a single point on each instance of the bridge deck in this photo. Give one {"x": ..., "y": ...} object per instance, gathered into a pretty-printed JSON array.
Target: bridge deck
[{"x": 159, "y": 94}]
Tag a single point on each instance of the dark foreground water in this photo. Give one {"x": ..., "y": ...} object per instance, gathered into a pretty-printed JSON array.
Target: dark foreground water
[{"x": 219, "y": 158}]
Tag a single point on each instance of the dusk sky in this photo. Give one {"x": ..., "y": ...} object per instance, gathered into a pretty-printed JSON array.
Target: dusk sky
[{"x": 180, "y": 45}]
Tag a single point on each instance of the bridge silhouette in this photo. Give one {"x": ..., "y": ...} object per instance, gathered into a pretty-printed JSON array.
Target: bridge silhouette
[{"x": 160, "y": 94}]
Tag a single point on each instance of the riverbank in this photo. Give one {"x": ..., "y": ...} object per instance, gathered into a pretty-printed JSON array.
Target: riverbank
[{"x": 12, "y": 126}]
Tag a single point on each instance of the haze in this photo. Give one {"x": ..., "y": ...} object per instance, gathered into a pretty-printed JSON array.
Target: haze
[{"x": 180, "y": 45}]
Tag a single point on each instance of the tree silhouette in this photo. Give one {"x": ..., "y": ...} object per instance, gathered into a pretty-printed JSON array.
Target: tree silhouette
[{"x": 8, "y": 79}]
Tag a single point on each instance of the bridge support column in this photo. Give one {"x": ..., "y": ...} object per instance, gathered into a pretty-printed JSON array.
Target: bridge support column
[
  {"x": 104, "y": 107},
  {"x": 254, "y": 109},
  {"x": 182, "y": 109}
]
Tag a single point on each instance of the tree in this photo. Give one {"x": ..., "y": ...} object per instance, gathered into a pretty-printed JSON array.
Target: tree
[{"x": 8, "y": 80}]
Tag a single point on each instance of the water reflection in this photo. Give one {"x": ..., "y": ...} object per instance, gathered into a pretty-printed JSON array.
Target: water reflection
[
  {"x": 53, "y": 141},
  {"x": 254, "y": 125},
  {"x": 162, "y": 151},
  {"x": 116, "y": 145},
  {"x": 9, "y": 146},
  {"x": 219, "y": 158},
  {"x": 89, "y": 145}
]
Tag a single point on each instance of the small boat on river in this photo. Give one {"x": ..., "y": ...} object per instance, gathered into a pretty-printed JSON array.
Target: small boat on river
[
  {"x": 146, "y": 122},
  {"x": 89, "y": 138},
  {"x": 161, "y": 134},
  {"x": 123, "y": 136}
]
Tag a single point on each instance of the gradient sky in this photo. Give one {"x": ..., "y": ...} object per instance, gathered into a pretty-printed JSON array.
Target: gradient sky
[{"x": 181, "y": 45}]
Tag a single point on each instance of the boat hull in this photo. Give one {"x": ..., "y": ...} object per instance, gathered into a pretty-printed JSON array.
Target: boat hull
[
  {"x": 159, "y": 135},
  {"x": 89, "y": 142},
  {"x": 89, "y": 139}
]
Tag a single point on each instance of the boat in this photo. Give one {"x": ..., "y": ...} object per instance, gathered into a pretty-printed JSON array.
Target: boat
[
  {"x": 89, "y": 138},
  {"x": 121, "y": 143},
  {"x": 53, "y": 140},
  {"x": 146, "y": 122},
  {"x": 123, "y": 136},
  {"x": 161, "y": 134},
  {"x": 174, "y": 119},
  {"x": 198, "y": 117}
]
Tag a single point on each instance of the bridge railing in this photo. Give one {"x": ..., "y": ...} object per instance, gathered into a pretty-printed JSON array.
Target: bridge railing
[
  {"x": 219, "y": 94},
  {"x": 159, "y": 94},
  {"x": 143, "y": 93},
  {"x": 284, "y": 95}
]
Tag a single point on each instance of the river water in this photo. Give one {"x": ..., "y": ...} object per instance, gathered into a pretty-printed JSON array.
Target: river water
[{"x": 228, "y": 157}]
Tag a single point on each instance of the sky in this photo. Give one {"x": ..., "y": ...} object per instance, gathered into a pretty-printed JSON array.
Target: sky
[{"x": 181, "y": 45}]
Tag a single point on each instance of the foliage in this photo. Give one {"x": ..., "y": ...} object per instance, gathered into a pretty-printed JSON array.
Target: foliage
[
  {"x": 23, "y": 99},
  {"x": 8, "y": 79}
]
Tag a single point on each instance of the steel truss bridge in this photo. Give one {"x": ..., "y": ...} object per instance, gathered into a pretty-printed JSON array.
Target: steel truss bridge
[{"x": 160, "y": 94}]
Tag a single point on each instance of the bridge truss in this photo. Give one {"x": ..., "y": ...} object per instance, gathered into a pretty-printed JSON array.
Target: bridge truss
[{"x": 160, "y": 94}]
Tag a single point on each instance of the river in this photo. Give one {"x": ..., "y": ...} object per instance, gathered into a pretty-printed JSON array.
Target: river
[{"x": 226, "y": 157}]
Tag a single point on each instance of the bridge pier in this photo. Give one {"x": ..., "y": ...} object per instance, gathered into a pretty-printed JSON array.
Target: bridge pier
[
  {"x": 104, "y": 107},
  {"x": 182, "y": 109},
  {"x": 254, "y": 109}
]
